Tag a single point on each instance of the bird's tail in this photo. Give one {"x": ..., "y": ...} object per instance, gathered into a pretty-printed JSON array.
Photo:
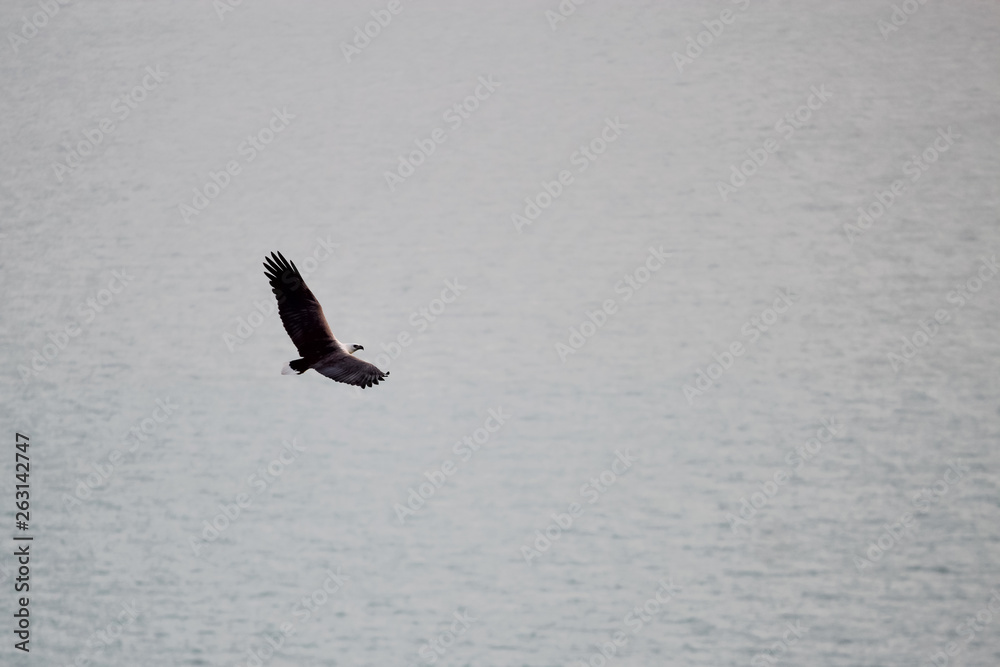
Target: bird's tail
[{"x": 296, "y": 367}]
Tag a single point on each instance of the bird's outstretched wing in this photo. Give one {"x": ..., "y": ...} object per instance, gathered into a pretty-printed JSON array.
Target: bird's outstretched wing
[
  {"x": 350, "y": 370},
  {"x": 300, "y": 311}
]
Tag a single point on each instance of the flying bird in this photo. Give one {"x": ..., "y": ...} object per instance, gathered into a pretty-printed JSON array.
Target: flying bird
[{"x": 307, "y": 327}]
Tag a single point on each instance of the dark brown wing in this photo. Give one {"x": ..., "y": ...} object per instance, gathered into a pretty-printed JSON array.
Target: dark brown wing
[
  {"x": 345, "y": 368},
  {"x": 300, "y": 311}
]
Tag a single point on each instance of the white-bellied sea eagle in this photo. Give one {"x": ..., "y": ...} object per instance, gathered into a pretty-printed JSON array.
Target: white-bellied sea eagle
[{"x": 307, "y": 327}]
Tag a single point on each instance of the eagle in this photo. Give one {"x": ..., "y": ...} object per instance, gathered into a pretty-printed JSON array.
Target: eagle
[{"x": 307, "y": 327}]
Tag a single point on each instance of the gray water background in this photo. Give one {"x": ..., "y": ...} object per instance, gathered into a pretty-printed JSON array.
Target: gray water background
[{"x": 163, "y": 337}]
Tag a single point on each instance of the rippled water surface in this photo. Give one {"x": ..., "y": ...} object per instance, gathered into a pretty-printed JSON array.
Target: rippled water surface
[{"x": 671, "y": 406}]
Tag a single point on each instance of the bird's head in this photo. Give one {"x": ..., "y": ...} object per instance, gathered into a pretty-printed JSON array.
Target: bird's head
[{"x": 355, "y": 347}]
